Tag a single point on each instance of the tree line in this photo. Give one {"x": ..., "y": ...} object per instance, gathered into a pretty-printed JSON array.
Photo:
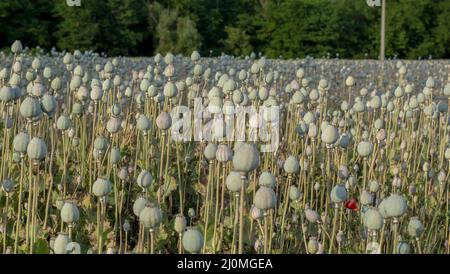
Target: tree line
[{"x": 275, "y": 28}]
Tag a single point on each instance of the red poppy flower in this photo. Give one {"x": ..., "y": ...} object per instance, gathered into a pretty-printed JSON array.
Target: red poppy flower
[{"x": 352, "y": 204}]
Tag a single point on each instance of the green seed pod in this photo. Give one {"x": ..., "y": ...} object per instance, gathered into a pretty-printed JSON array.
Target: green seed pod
[
  {"x": 210, "y": 151},
  {"x": 403, "y": 248},
  {"x": 143, "y": 123},
  {"x": 7, "y": 185},
  {"x": 234, "y": 181},
  {"x": 31, "y": 108},
  {"x": 180, "y": 223},
  {"x": 246, "y": 158},
  {"x": 168, "y": 59},
  {"x": 313, "y": 245},
  {"x": 16, "y": 47},
  {"x": 60, "y": 244},
  {"x": 366, "y": 198},
  {"x": 144, "y": 179},
  {"x": 47, "y": 72},
  {"x": 415, "y": 227},
  {"x": 48, "y": 104},
  {"x": 96, "y": 93},
  {"x": 447, "y": 90},
  {"x": 330, "y": 135},
  {"x": 37, "y": 149},
  {"x": 7, "y": 94},
  {"x": 265, "y": 198},
  {"x": 223, "y": 153},
  {"x": 73, "y": 248},
  {"x": 56, "y": 84},
  {"x": 338, "y": 194},
  {"x": 115, "y": 155},
  {"x": 373, "y": 219},
  {"x": 394, "y": 206},
  {"x": 150, "y": 216},
  {"x": 139, "y": 205},
  {"x": 63, "y": 123},
  {"x": 430, "y": 82},
  {"x": 100, "y": 143},
  {"x": 291, "y": 165},
  {"x": 70, "y": 213},
  {"x": 350, "y": 81},
  {"x": 16, "y": 157},
  {"x": 101, "y": 187},
  {"x": 365, "y": 148},
  {"x": 113, "y": 125},
  {"x": 263, "y": 93},
  {"x": 294, "y": 193},
  {"x": 170, "y": 90},
  {"x": 374, "y": 186},
  {"x": 20, "y": 142},
  {"x": 75, "y": 142},
  {"x": 192, "y": 240},
  {"x": 163, "y": 121},
  {"x": 266, "y": 179},
  {"x": 359, "y": 106}
]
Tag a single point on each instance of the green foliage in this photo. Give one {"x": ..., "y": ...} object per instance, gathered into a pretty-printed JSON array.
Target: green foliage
[{"x": 288, "y": 28}]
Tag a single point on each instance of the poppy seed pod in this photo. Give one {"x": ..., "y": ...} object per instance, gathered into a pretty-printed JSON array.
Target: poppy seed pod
[
  {"x": 393, "y": 206},
  {"x": 374, "y": 186},
  {"x": 291, "y": 165},
  {"x": 366, "y": 198},
  {"x": 350, "y": 81},
  {"x": 373, "y": 219},
  {"x": 60, "y": 244},
  {"x": 7, "y": 185},
  {"x": 63, "y": 122},
  {"x": 100, "y": 143},
  {"x": 365, "y": 148},
  {"x": 294, "y": 193},
  {"x": 139, "y": 205},
  {"x": 338, "y": 194},
  {"x": 144, "y": 179},
  {"x": 330, "y": 135},
  {"x": 192, "y": 240},
  {"x": 210, "y": 151},
  {"x": 415, "y": 227},
  {"x": 30, "y": 108},
  {"x": 266, "y": 179},
  {"x": 313, "y": 245},
  {"x": 70, "y": 213},
  {"x": 255, "y": 212},
  {"x": 7, "y": 94},
  {"x": 265, "y": 198},
  {"x": 143, "y": 123},
  {"x": 101, "y": 187},
  {"x": 246, "y": 158},
  {"x": 16, "y": 47},
  {"x": 48, "y": 104},
  {"x": 150, "y": 216},
  {"x": 115, "y": 155},
  {"x": 113, "y": 125},
  {"x": 170, "y": 90},
  {"x": 223, "y": 153},
  {"x": 234, "y": 181},
  {"x": 403, "y": 248},
  {"x": 180, "y": 223},
  {"x": 20, "y": 142},
  {"x": 37, "y": 149},
  {"x": 163, "y": 121}
]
